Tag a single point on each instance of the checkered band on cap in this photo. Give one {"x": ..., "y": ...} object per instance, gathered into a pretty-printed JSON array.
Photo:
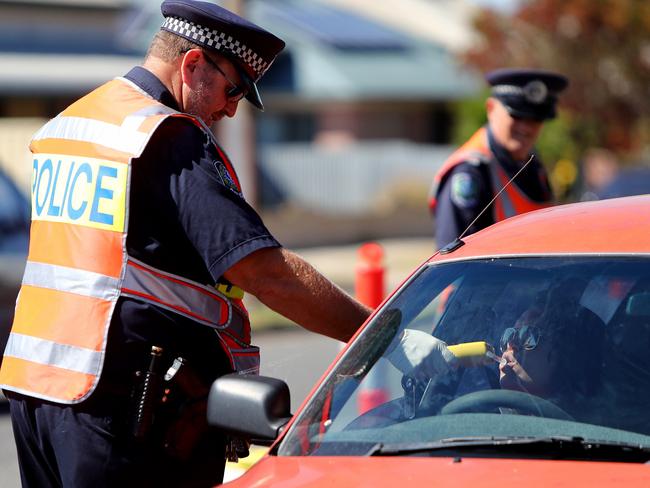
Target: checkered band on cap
[
  {"x": 533, "y": 92},
  {"x": 507, "y": 90},
  {"x": 217, "y": 40}
]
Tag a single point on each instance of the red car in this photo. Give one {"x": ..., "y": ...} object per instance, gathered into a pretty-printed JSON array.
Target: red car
[{"x": 549, "y": 313}]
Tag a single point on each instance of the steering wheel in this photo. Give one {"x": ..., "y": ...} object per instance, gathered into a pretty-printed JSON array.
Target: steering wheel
[
  {"x": 487, "y": 400},
  {"x": 383, "y": 415}
]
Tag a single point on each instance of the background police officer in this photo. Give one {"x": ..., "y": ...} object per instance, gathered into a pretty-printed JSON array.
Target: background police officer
[{"x": 520, "y": 101}]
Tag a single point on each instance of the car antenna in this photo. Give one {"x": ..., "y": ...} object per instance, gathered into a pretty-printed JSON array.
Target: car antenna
[{"x": 458, "y": 242}]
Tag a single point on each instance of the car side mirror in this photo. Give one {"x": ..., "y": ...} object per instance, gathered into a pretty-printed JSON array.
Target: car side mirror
[{"x": 251, "y": 406}]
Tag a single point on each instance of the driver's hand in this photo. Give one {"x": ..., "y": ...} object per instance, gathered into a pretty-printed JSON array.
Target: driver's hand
[{"x": 421, "y": 355}]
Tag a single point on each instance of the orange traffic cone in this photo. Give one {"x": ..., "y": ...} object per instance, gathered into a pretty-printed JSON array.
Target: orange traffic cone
[{"x": 369, "y": 290}]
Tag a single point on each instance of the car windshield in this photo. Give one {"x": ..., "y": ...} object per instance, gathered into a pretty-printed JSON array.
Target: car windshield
[{"x": 574, "y": 335}]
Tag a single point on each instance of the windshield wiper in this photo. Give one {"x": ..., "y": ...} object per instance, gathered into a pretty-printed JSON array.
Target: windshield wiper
[{"x": 551, "y": 447}]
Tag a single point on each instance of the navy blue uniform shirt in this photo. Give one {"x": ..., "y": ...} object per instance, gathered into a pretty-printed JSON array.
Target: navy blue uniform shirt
[
  {"x": 467, "y": 190},
  {"x": 183, "y": 220}
]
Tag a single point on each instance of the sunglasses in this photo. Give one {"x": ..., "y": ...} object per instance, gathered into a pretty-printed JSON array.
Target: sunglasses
[
  {"x": 236, "y": 92},
  {"x": 526, "y": 337}
]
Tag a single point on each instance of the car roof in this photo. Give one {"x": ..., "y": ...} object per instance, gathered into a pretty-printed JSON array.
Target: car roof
[{"x": 613, "y": 226}]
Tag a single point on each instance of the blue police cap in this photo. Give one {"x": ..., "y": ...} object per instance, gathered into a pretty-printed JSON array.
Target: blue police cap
[
  {"x": 527, "y": 93},
  {"x": 251, "y": 48}
]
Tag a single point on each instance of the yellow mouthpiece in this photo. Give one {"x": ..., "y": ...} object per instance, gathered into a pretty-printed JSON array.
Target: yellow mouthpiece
[{"x": 474, "y": 353}]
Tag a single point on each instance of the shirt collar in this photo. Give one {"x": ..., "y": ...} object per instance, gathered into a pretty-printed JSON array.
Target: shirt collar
[{"x": 150, "y": 83}]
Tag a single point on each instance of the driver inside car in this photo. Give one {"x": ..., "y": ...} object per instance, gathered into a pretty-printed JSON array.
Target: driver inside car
[{"x": 554, "y": 350}]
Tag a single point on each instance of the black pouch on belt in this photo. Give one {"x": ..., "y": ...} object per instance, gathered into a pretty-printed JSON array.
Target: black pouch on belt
[{"x": 186, "y": 405}]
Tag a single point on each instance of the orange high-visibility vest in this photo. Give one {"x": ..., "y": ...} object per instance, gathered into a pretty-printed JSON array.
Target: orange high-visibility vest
[
  {"x": 512, "y": 201},
  {"x": 78, "y": 265}
]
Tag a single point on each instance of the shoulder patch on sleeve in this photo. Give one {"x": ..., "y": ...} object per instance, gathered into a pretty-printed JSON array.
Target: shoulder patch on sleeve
[
  {"x": 226, "y": 179},
  {"x": 464, "y": 190}
]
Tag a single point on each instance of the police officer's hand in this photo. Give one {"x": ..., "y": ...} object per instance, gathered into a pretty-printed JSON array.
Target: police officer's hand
[{"x": 421, "y": 355}]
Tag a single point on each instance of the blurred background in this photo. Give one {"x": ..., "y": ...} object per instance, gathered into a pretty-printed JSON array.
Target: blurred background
[{"x": 363, "y": 106}]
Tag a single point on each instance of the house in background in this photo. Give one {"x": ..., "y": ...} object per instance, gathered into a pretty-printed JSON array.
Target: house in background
[
  {"x": 51, "y": 52},
  {"x": 366, "y": 104},
  {"x": 357, "y": 106},
  {"x": 345, "y": 75}
]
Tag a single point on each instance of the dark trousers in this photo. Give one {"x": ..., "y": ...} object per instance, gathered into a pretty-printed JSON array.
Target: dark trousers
[{"x": 88, "y": 445}]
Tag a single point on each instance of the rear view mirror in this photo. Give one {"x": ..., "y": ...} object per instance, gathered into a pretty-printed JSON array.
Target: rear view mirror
[{"x": 251, "y": 406}]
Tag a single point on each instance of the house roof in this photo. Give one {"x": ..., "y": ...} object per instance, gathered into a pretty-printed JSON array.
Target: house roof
[
  {"x": 446, "y": 22},
  {"x": 338, "y": 54},
  {"x": 332, "y": 53}
]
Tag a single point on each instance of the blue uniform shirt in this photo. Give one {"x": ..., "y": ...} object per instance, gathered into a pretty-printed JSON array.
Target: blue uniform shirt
[
  {"x": 184, "y": 220},
  {"x": 467, "y": 190}
]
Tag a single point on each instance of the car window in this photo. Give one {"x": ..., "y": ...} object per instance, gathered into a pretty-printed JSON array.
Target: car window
[{"x": 570, "y": 338}]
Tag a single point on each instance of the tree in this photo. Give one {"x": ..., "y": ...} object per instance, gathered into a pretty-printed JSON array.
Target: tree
[{"x": 603, "y": 46}]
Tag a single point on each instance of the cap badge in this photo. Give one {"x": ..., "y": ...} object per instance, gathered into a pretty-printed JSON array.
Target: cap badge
[{"x": 535, "y": 91}]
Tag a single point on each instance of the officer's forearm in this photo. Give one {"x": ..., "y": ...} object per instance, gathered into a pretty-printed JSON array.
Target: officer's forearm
[
  {"x": 312, "y": 301},
  {"x": 292, "y": 287}
]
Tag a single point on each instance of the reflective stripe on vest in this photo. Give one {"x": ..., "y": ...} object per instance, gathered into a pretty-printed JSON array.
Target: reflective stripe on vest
[
  {"x": 203, "y": 304},
  {"x": 78, "y": 266},
  {"x": 244, "y": 358},
  {"x": 48, "y": 352},
  {"x": 70, "y": 280},
  {"x": 119, "y": 137}
]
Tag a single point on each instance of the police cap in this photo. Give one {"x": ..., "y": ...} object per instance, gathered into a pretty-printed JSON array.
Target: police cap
[
  {"x": 527, "y": 93},
  {"x": 251, "y": 48}
]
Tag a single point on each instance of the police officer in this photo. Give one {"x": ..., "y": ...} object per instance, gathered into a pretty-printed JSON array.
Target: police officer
[
  {"x": 141, "y": 244},
  {"x": 520, "y": 101},
  {"x": 141, "y": 248}
]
